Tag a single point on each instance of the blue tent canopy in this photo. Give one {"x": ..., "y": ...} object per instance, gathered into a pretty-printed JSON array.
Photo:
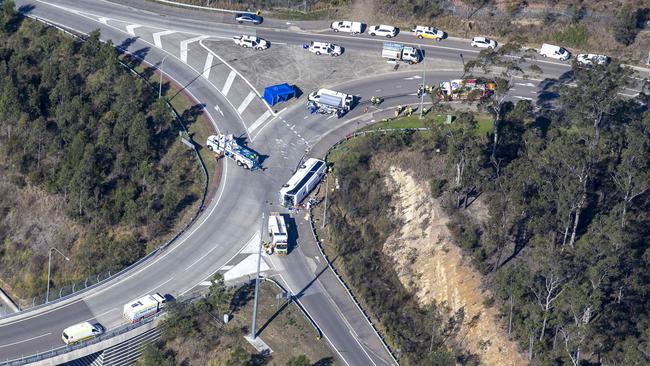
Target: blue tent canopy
[{"x": 278, "y": 93}]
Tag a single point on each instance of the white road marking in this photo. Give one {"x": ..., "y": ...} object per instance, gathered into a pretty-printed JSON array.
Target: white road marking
[
  {"x": 25, "y": 340},
  {"x": 203, "y": 256},
  {"x": 185, "y": 44},
  {"x": 208, "y": 65},
  {"x": 305, "y": 117},
  {"x": 156, "y": 37},
  {"x": 526, "y": 84},
  {"x": 244, "y": 104},
  {"x": 130, "y": 29},
  {"x": 228, "y": 84},
  {"x": 216, "y": 108},
  {"x": 104, "y": 20},
  {"x": 413, "y": 77},
  {"x": 154, "y": 288},
  {"x": 525, "y": 98},
  {"x": 259, "y": 121}
]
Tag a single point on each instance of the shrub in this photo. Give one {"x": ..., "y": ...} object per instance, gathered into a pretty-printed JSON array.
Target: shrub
[
  {"x": 575, "y": 35},
  {"x": 437, "y": 186},
  {"x": 625, "y": 28}
]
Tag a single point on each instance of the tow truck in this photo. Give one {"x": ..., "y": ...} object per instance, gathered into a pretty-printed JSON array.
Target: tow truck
[{"x": 228, "y": 146}]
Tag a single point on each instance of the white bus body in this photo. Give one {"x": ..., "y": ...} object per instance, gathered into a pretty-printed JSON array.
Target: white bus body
[
  {"x": 143, "y": 307},
  {"x": 302, "y": 182}
]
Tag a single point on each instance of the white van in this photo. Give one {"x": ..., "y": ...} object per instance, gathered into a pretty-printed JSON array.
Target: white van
[
  {"x": 324, "y": 48},
  {"x": 556, "y": 52},
  {"x": 347, "y": 26},
  {"x": 81, "y": 332}
]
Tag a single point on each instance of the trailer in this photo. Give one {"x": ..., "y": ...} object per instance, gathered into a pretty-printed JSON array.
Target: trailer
[
  {"x": 329, "y": 102},
  {"x": 143, "y": 307},
  {"x": 306, "y": 178},
  {"x": 279, "y": 237},
  {"x": 398, "y": 52},
  {"x": 227, "y": 145}
]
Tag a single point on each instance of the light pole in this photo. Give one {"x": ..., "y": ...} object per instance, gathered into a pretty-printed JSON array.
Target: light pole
[
  {"x": 162, "y": 63},
  {"x": 463, "y": 61},
  {"x": 49, "y": 268},
  {"x": 257, "y": 284},
  {"x": 424, "y": 69}
]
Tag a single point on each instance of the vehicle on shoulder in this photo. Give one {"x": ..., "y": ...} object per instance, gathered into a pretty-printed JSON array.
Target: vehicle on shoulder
[
  {"x": 589, "y": 59},
  {"x": 421, "y": 32},
  {"x": 383, "y": 30},
  {"x": 347, "y": 27},
  {"x": 248, "y": 18},
  {"x": 482, "y": 42},
  {"x": 324, "y": 48},
  {"x": 553, "y": 51},
  {"x": 81, "y": 332},
  {"x": 253, "y": 42}
]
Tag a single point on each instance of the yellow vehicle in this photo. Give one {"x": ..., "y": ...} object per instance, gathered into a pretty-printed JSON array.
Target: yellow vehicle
[
  {"x": 81, "y": 332},
  {"x": 428, "y": 32}
]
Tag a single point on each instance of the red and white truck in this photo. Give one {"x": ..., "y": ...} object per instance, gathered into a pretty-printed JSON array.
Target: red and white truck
[{"x": 143, "y": 307}]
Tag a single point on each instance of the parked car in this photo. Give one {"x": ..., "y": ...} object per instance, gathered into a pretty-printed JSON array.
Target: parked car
[
  {"x": 254, "y": 42},
  {"x": 482, "y": 42},
  {"x": 589, "y": 59},
  {"x": 387, "y": 31},
  {"x": 324, "y": 48},
  {"x": 248, "y": 18},
  {"x": 428, "y": 32},
  {"x": 556, "y": 52},
  {"x": 347, "y": 26}
]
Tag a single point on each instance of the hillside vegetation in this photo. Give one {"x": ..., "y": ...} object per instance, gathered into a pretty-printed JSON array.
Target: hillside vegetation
[
  {"x": 90, "y": 161},
  {"x": 563, "y": 247}
]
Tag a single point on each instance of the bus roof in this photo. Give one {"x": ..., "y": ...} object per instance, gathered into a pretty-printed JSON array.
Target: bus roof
[{"x": 303, "y": 175}]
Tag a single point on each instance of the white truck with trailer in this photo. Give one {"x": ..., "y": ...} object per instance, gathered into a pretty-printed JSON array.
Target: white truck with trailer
[
  {"x": 227, "y": 145},
  {"x": 81, "y": 332},
  {"x": 306, "y": 178},
  {"x": 253, "y": 42},
  {"x": 398, "y": 52},
  {"x": 279, "y": 237},
  {"x": 143, "y": 307},
  {"x": 330, "y": 101}
]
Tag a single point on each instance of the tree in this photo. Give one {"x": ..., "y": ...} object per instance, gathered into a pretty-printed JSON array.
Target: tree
[
  {"x": 154, "y": 355},
  {"x": 626, "y": 27},
  {"x": 300, "y": 360},
  {"x": 238, "y": 357}
]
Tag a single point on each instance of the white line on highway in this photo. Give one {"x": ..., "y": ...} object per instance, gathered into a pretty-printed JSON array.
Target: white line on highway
[
  {"x": 25, "y": 340},
  {"x": 185, "y": 46},
  {"x": 156, "y": 37},
  {"x": 208, "y": 65},
  {"x": 228, "y": 84},
  {"x": 104, "y": 20},
  {"x": 201, "y": 258},
  {"x": 155, "y": 288},
  {"x": 518, "y": 97},
  {"x": 259, "y": 121},
  {"x": 130, "y": 29},
  {"x": 244, "y": 104}
]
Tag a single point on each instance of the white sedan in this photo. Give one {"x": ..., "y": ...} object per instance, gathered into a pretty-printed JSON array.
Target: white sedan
[
  {"x": 482, "y": 42},
  {"x": 253, "y": 42},
  {"x": 591, "y": 59},
  {"x": 387, "y": 31}
]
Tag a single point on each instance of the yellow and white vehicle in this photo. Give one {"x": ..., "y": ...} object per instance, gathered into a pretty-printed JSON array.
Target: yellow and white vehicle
[
  {"x": 422, "y": 31},
  {"x": 81, "y": 332}
]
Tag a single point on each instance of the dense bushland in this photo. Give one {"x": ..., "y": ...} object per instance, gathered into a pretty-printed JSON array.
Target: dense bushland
[{"x": 83, "y": 130}]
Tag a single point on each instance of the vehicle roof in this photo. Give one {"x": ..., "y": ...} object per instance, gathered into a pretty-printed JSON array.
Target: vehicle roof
[
  {"x": 249, "y": 37},
  {"x": 311, "y": 167},
  {"x": 79, "y": 328},
  {"x": 384, "y": 26},
  {"x": 481, "y": 39}
]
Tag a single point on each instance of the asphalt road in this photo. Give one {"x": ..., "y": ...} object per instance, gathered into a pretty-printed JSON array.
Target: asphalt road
[{"x": 232, "y": 218}]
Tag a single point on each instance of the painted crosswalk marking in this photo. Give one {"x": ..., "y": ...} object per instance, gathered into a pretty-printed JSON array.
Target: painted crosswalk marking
[
  {"x": 208, "y": 65},
  {"x": 130, "y": 29},
  {"x": 228, "y": 84},
  {"x": 156, "y": 37},
  {"x": 185, "y": 44},
  {"x": 246, "y": 102},
  {"x": 259, "y": 121}
]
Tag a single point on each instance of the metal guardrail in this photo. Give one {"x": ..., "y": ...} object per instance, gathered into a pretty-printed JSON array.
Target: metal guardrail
[{"x": 93, "y": 281}]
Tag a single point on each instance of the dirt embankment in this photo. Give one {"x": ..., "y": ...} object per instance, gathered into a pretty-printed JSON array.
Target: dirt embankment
[{"x": 428, "y": 263}]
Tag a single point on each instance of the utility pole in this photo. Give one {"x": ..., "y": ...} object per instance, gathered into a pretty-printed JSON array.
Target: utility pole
[
  {"x": 327, "y": 188},
  {"x": 49, "y": 268},
  {"x": 162, "y": 63},
  {"x": 424, "y": 69},
  {"x": 257, "y": 284}
]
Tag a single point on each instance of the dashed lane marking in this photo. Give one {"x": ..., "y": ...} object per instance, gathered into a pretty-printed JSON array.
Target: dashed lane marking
[
  {"x": 228, "y": 84},
  {"x": 208, "y": 65},
  {"x": 25, "y": 340},
  {"x": 244, "y": 104},
  {"x": 185, "y": 45},
  {"x": 156, "y": 37},
  {"x": 216, "y": 108}
]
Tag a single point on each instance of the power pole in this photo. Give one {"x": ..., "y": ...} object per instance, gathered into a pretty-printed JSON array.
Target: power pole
[
  {"x": 257, "y": 283},
  {"x": 424, "y": 69}
]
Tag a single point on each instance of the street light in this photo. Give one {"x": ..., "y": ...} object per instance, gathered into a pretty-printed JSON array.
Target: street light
[
  {"x": 162, "y": 63},
  {"x": 49, "y": 267},
  {"x": 424, "y": 69}
]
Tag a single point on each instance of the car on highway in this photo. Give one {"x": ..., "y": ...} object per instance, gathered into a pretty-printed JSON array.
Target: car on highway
[
  {"x": 482, "y": 42},
  {"x": 383, "y": 30},
  {"x": 589, "y": 59},
  {"x": 253, "y": 42},
  {"x": 325, "y": 48},
  {"x": 347, "y": 27},
  {"x": 248, "y": 18},
  {"x": 81, "y": 332},
  {"x": 553, "y": 51},
  {"x": 421, "y": 32}
]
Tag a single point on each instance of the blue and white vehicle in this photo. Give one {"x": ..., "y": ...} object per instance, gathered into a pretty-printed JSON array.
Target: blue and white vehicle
[
  {"x": 302, "y": 182},
  {"x": 227, "y": 145}
]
